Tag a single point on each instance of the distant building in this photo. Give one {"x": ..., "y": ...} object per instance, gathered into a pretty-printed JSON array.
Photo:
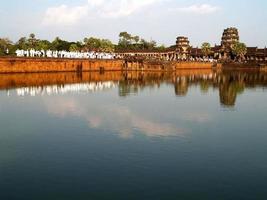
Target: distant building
[
  {"x": 182, "y": 47},
  {"x": 183, "y": 51},
  {"x": 256, "y": 54},
  {"x": 229, "y": 38}
]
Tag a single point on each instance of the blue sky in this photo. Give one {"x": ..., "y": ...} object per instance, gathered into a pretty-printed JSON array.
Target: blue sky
[{"x": 161, "y": 20}]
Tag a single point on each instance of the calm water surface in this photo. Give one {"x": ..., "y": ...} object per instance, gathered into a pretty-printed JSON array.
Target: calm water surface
[{"x": 189, "y": 135}]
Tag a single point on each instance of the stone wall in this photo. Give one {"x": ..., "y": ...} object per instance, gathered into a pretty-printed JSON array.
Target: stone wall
[
  {"x": 24, "y": 65},
  {"x": 30, "y": 65},
  {"x": 167, "y": 66}
]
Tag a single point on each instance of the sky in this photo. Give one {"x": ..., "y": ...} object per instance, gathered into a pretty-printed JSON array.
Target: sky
[{"x": 160, "y": 20}]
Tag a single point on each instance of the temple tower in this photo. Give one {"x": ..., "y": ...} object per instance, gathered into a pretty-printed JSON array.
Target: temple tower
[
  {"x": 182, "y": 47},
  {"x": 230, "y": 37}
]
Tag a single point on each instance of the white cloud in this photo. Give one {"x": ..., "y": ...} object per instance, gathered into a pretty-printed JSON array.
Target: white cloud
[
  {"x": 120, "y": 8},
  {"x": 199, "y": 117},
  {"x": 66, "y": 15},
  {"x": 126, "y": 124},
  {"x": 198, "y": 9}
]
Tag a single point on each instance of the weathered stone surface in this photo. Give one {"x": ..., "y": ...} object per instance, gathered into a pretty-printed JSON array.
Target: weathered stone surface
[
  {"x": 30, "y": 65},
  {"x": 23, "y": 65}
]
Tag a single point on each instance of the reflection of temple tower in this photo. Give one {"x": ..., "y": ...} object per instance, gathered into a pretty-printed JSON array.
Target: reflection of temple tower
[
  {"x": 126, "y": 88},
  {"x": 182, "y": 45},
  {"x": 227, "y": 95},
  {"x": 229, "y": 38},
  {"x": 229, "y": 88},
  {"x": 181, "y": 87}
]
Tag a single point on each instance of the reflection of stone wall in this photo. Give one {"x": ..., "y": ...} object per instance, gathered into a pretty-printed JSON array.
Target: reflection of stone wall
[
  {"x": 193, "y": 65},
  {"x": 8, "y": 81},
  {"x": 229, "y": 84}
]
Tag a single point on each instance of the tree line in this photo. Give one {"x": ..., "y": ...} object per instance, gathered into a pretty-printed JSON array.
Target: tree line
[
  {"x": 126, "y": 42},
  {"x": 238, "y": 50}
]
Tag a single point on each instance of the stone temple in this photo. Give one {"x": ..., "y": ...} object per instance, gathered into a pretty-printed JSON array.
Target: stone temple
[
  {"x": 230, "y": 37},
  {"x": 182, "y": 47},
  {"x": 183, "y": 51}
]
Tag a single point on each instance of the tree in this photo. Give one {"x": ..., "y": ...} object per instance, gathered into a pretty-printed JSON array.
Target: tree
[
  {"x": 161, "y": 47},
  {"x": 59, "y": 44},
  {"x": 106, "y": 45},
  {"x": 125, "y": 35},
  {"x": 148, "y": 45},
  {"x": 22, "y": 43},
  {"x": 43, "y": 45},
  {"x": 32, "y": 36},
  {"x": 136, "y": 39},
  {"x": 92, "y": 44},
  {"x": 125, "y": 41},
  {"x": 206, "y": 48},
  {"x": 130, "y": 42},
  {"x": 32, "y": 41},
  {"x": 239, "y": 50},
  {"x": 152, "y": 44},
  {"x": 96, "y": 44},
  {"x": 5, "y": 45},
  {"x": 74, "y": 47}
]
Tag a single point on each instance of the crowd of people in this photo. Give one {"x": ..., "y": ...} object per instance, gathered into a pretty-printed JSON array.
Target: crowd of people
[
  {"x": 95, "y": 55},
  {"x": 64, "y": 54},
  {"x": 199, "y": 59}
]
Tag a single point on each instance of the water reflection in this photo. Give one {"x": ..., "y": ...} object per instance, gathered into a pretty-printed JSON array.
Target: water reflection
[
  {"x": 229, "y": 83},
  {"x": 118, "y": 134},
  {"x": 63, "y": 89}
]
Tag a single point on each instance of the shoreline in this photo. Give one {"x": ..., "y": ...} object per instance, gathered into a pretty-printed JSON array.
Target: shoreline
[{"x": 41, "y": 65}]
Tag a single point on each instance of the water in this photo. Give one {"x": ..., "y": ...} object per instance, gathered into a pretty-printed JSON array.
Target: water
[{"x": 189, "y": 135}]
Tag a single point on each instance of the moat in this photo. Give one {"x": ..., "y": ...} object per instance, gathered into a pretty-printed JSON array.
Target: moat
[{"x": 187, "y": 134}]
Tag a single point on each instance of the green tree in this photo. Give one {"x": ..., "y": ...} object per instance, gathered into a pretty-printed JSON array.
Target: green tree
[
  {"x": 43, "y": 45},
  {"x": 32, "y": 41},
  {"x": 92, "y": 44},
  {"x": 206, "y": 49},
  {"x": 5, "y": 45},
  {"x": 96, "y": 44},
  {"x": 148, "y": 45},
  {"x": 239, "y": 50},
  {"x": 74, "y": 47},
  {"x": 161, "y": 47},
  {"x": 106, "y": 45},
  {"x": 59, "y": 44},
  {"x": 22, "y": 43},
  {"x": 152, "y": 45},
  {"x": 125, "y": 40},
  {"x": 125, "y": 35},
  {"x": 136, "y": 39}
]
